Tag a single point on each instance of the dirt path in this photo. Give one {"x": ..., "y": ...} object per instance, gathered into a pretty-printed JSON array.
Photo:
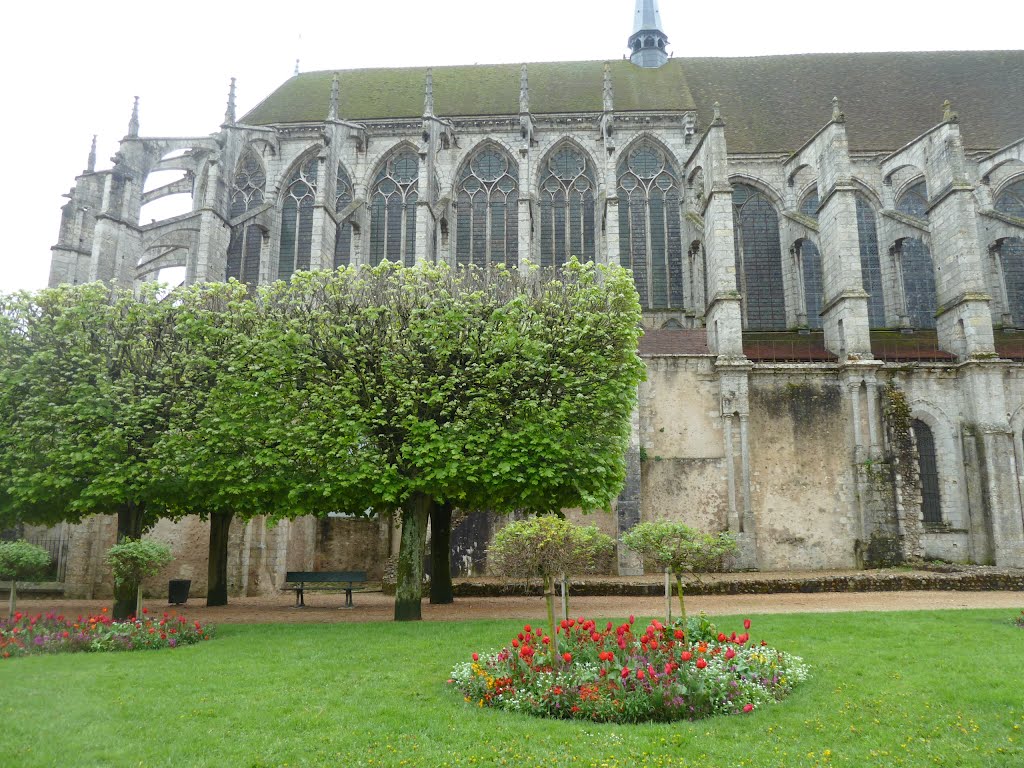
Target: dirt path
[{"x": 327, "y": 608}]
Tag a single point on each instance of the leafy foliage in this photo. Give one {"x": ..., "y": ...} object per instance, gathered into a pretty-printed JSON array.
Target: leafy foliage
[
  {"x": 679, "y": 549},
  {"x": 21, "y": 561},
  {"x": 134, "y": 559}
]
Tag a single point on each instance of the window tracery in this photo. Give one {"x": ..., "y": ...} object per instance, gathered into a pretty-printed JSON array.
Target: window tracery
[
  {"x": 758, "y": 259},
  {"x": 487, "y": 210},
  {"x": 393, "y": 200},
  {"x": 1011, "y": 253},
  {"x": 870, "y": 262},
  {"x": 650, "y": 226},
  {"x": 928, "y": 472},
  {"x": 567, "y": 195},
  {"x": 343, "y": 197},
  {"x": 810, "y": 266},
  {"x": 297, "y": 219},
  {"x": 915, "y": 263},
  {"x": 247, "y": 193}
]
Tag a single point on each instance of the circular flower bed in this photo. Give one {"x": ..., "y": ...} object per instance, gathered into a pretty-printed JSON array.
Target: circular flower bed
[
  {"x": 613, "y": 674},
  {"x": 31, "y": 635}
]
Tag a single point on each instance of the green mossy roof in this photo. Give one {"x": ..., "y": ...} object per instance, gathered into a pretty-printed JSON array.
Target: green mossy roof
[
  {"x": 770, "y": 103},
  {"x": 561, "y": 87}
]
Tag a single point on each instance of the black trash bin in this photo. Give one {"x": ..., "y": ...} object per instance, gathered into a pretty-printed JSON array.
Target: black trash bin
[{"x": 177, "y": 591}]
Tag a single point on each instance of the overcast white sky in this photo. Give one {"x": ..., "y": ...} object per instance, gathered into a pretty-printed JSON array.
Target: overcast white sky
[{"x": 70, "y": 69}]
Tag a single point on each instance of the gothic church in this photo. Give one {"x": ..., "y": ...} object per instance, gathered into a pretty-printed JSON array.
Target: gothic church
[{"x": 829, "y": 250}]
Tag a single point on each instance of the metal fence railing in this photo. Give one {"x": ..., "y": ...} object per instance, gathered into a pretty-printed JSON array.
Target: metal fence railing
[{"x": 56, "y": 541}]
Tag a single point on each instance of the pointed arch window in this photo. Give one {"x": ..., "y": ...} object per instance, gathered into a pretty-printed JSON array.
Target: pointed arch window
[
  {"x": 758, "y": 259},
  {"x": 809, "y": 258},
  {"x": 487, "y": 210},
  {"x": 928, "y": 471},
  {"x": 1011, "y": 253},
  {"x": 297, "y": 219},
  {"x": 247, "y": 193},
  {"x": 568, "y": 190},
  {"x": 343, "y": 197},
  {"x": 870, "y": 263},
  {"x": 393, "y": 200},
  {"x": 650, "y": 226},
  {"x": 916, "y": 269}
]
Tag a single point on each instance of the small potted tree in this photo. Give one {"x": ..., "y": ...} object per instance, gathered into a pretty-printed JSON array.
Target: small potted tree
[
  {"x": 133, "y": 560},
  {"x": 678, "y": 549},
  {"x": 548, "y": 547},
  {"x": 20, "y": 561}
]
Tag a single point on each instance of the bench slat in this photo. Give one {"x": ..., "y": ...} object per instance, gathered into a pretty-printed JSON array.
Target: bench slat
[{"x": 326, "y": 576}]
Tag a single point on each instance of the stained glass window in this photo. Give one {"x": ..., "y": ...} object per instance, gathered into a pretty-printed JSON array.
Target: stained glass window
[
  {"x": 650, "y": 227},
  {"x": 758, "y": 259},
  {"x": 247, "y": 192},
  {"x": 393, "y": 200},
  {"x": 1011, "y": 252},
  {"x": 567, "y": 194},
  {"x": 931, "y": 501},
  {"x": 343, "y": 237},
  {"x": 487, "y": 210},
  {"x": 870, "y": 264},
  {"x": 810, "y": 266},
  {"x": 297, "y": 219},
  {"x": 916, "y": 263}
]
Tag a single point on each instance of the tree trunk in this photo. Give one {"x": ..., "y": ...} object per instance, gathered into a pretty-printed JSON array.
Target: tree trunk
[
  {"x": 409, "y": 587},
  {"x": 440, "y": 555},
  {"x": 682, "y": 605},
  {"x": 13, "y": 603},
  {"x": 668, "y": 599},
  {"x": 129, "y": 526},
  {"x": 217, "y": 568}
]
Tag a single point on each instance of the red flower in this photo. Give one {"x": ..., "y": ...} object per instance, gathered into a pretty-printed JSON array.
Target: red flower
[
  {"x": 595, "y": 637},
  {"x": 476, "y": 657},
  {"x": 527, "y": 628},
  {"x": 515, "y": 643},
  {"x": 639, "y": 674},
  {"x": 721, "y": 637},
  {"x": 631, "y": 618},
  {"x": 748, "y": 707},
  {"x": 625, "y": 672},
  {"x": 746, "y": 623},
  {"x": 679, "y": 634},
  {"x": 686, "y": 656},
  {"x": 567, "y": 657},
  {"x": 546, "y": 640},
  {"x": 730, "y": 653},
  {"x": 701, "y": 663}
]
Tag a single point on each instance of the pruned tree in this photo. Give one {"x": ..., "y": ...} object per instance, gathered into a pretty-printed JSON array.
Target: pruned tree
[
  {"x": 20, "y": 561},
  {"x": 678, "y": 549},
  {"x": 435, "y": 386},
  {"x": 132, "y": 560},
  {"x": 88, "y": 380},
  {"x": 547, "y": 547}
]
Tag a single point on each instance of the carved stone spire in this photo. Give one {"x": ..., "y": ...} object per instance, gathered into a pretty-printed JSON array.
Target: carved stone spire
[
  {"x": 332, "y": 113},
  {"x": 718, "y": 115},
  {"x": 948, "y": 114},
  {"x": 90, "y": 166},
  {"x": 524, "y": 91},
  {"x": 648, "y": 42},
  {"x": 428, "y": 97},
  {"x": 609, "y": 93},
  {"x": 229, "y": 113},
  {"x": 837, "y": 114},
  {"x": 133, "y": 124}
]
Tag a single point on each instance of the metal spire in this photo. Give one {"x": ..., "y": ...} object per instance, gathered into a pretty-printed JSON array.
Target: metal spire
[{"x": 648, "y": 42}]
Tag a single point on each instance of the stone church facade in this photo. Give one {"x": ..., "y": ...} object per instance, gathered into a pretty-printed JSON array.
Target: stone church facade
[{"x": 830, "y": 260}]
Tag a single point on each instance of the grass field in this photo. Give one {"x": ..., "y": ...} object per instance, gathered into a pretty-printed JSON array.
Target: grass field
[{"x": 887, "y": 689}]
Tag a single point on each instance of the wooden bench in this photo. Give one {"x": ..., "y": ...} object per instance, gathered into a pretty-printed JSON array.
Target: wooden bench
[{"x": 350, "y": 579}]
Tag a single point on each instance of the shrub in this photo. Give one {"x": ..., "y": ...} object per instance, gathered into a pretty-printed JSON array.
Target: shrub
[
  {"x": 548, "y": 547},
  {"x": 20, "y": 561},
  {"x": 133, "y": 560},
  {"x": 678, "y": 549},
  {"x": 614, "y": 675},
  {"x": 25, "y": 635}
]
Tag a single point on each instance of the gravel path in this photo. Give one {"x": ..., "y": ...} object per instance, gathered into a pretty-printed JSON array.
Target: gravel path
[{"x": 327, "y": 607}]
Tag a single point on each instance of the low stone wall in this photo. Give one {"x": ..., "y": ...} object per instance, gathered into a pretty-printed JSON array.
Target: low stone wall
[{"x": 972, "y": 579}]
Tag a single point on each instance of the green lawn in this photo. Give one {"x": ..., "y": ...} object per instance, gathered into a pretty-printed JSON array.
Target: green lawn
[{"x": 892, "y": 689}]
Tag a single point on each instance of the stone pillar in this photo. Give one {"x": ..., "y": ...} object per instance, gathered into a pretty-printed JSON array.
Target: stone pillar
[{"x": 628, "y": 504}]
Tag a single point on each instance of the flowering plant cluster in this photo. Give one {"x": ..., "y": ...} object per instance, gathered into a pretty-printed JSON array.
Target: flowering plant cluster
[
  {"x": 615, "y": 674},
  {"x": 26, "y": 635}
]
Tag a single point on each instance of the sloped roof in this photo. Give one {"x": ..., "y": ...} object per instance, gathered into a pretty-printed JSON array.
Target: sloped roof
[
  {"x": 770, "y": 103},
  {"x": 489, "y": 89}
]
